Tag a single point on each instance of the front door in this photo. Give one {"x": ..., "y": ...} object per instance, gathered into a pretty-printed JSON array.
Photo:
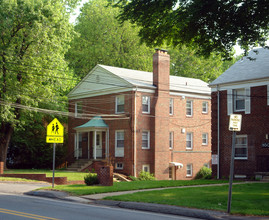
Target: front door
[{"x": 98, "y": 144}]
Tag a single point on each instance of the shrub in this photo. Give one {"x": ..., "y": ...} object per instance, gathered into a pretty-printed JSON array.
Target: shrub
[
  {"x": 133, "y": 178},
  {"x": 91, "y": 179},
  {"x": 204, "y": 173},
  {"x": 146, "y": 176}
]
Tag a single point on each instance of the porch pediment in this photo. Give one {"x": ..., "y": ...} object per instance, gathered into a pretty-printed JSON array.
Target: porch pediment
[{"x": 95, "y": 123}]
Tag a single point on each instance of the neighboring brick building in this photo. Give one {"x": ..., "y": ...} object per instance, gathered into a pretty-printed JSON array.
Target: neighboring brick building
[
  {"x": 146, "y": 121},
  {"x": 242, "y": 89}
]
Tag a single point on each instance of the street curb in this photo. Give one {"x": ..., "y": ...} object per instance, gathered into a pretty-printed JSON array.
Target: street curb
[
  {"x": 150, "y": 207},
  {"x": 174, "y": 210}
]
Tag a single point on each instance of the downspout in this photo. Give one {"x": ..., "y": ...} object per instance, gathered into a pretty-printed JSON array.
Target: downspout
[
  {"x": 135, "y": 122},
  {"x": 218, "y": 167}
]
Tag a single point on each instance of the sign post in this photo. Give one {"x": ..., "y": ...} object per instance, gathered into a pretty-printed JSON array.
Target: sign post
[
  {"x": 55, "y": 134},
  {"x": 234, "y": 125}
]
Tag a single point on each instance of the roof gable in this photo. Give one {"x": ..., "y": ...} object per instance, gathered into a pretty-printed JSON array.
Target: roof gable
[
  {"x": 98, "y": 79},
  {"x": 257, "y": 67}
]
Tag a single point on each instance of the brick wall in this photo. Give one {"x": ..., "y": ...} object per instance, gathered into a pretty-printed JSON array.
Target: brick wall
[
  {"x": 254, "y": 125},
  {"x": 39, "y": 177},
  {"x": 105, "y": 175},
  {"x": 1, "y": 167}
]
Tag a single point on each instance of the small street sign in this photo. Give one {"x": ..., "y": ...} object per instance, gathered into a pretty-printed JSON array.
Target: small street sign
[
  {"x": 55, "y": 132},
  {"x": 235, "y": 122}
]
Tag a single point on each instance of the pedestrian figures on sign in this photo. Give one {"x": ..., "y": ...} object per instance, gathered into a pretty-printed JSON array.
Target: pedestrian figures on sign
[{"x": 57, "y": 128}]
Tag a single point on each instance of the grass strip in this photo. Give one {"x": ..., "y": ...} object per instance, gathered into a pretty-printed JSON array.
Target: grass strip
[
  {"x": 16, "y": 179},
  {"x": 247, "y": 199},
  {"x": 80, "y": 189},
  {"x": 71, "y": 176}
]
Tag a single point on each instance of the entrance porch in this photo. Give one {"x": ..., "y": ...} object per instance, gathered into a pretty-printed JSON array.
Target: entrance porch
[{"x": 92, "y": 140}]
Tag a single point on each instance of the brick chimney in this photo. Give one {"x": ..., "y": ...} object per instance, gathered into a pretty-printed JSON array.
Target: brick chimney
[
  {"x": 161, "y": 76},
  {"x": 161, "y": 70}
]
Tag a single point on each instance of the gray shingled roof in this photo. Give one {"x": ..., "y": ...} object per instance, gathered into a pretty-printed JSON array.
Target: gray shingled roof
[
  {"x": 145, "y": 79},
  {"x": 247, "y": 69}
]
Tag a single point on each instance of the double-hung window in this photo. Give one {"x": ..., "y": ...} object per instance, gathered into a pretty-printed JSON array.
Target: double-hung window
[
  {"x": 241, "y": 147},
  {"x": 78, "y": 109},
  {"x": 145, "y": 140},
  {"x": 189, "y": 169},
  {"x": 119, "y": 143},
  {"x": 205, "y": 107},
  {"x": 119, "y": 139},
  {"x": 204, "y": 138},
  {"x": 171, "y": 106},
  {"x": 171, "y": 140},
  {"x": 120, "y": 104},
  {"x": 189, "y": 143},
  {"x": 239, "y": 100},
  {"x": 145, "y": 104},
  {"x": 189, "y": 104}
]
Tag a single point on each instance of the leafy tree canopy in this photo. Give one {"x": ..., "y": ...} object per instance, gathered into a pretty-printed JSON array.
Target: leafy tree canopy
[
  {"x": 34, "y": 36},
  {"x": 210, "y": 26},
  {"x": 101, "y": 39}
]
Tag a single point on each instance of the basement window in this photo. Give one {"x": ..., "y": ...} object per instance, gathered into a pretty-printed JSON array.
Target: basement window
[{"x": 119, "y": 166}]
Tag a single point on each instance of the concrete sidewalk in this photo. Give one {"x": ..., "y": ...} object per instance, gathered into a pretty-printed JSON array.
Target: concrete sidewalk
[{"x": 165, "y": 209}]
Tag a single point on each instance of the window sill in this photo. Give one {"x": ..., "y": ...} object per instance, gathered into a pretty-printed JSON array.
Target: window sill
[
  {"x": 145, "y": 148},
  {"x": 240, "y": 158}
]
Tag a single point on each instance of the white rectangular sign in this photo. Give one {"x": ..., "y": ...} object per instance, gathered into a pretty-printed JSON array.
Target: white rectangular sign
[
  {"x": 214, "y": 159},
  {"x": 235, "y": 122}
]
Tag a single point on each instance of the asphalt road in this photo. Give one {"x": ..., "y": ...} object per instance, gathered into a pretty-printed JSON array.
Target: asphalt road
[{"x": 14, "y": 207}]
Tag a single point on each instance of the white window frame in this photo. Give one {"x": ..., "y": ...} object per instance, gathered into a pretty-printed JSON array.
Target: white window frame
[
  {"x": 240, "y": 97},
  {"x": 189, "y": 138},
  {"x": 205, "y": 107},
  {"x": 119, "y": 98},
  {"x": 242, "y": 146},
  {"x": 171, "y": 106},
  {"x": 119, "y": 151},
  {"x": 189, "y": 170},
  {"x": 147, "y": 103},
  {"x": 77, "y": 112},
  {"x": 189, "y": 102},
  {"x": 116, "y": 138},
  {"x": 119, "y": 166},
  {"x": 205, "y": 139},
  {"x": 147, "y": 166},
  {"x": 148, "y": 139},
  {"x": 171, "y": 140}
]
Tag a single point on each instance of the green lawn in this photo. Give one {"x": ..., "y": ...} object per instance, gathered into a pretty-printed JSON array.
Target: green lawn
[
  {"x": 71, "y": 176},
  {"x": 16, "y": 179},
  {"x": 126, "y": 186},
  {"x": 247, "y": 199}
]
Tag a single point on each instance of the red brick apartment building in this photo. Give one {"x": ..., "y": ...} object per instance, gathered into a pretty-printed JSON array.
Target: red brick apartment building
[
  {"x": 137, "y": 120},
  {"x": 242, "y": 89}
]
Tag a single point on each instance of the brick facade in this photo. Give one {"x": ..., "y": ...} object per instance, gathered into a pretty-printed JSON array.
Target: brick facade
[
  {"x": 158, "y": 122},
  {"x": 254, "y": 125}
]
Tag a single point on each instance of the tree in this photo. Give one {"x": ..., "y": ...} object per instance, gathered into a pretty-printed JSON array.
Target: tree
[
  {"x": 185, "y": 62},
  {"x": 34, "y": 36},
  {"x": 103, "y": 40},
  {"x": 210, "y": 26}
]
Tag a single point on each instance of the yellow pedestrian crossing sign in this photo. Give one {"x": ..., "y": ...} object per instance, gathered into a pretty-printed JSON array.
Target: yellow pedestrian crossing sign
[{"x": 55, "y": 132}]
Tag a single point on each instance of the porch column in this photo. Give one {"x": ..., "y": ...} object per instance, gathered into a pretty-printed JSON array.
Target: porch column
[
  {"x": 94, "y": 144},
  {"x": 88, "y": 145},
  {"x": 106, "y": 143},
  {"x": 77, "y": 146}
]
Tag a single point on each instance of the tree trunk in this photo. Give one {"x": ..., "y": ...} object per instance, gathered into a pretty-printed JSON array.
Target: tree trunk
[{"x": 6, "y": 132}]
